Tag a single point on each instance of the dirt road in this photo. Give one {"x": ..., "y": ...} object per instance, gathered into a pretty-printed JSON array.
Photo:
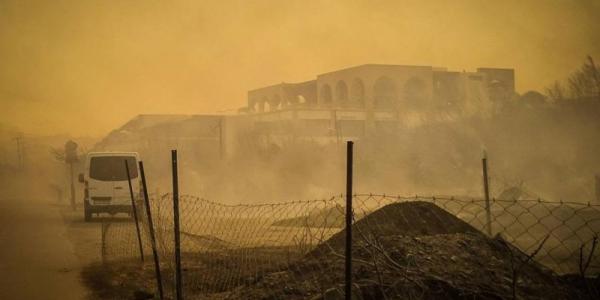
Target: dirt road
[{"x": 38, "y": 260}]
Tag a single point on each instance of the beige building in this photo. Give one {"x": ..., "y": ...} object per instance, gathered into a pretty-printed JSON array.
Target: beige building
[{"x": 352, "y": 102}]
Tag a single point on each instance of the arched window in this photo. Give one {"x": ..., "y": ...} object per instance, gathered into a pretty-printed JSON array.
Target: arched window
[
  {"x": 325, "y": 95},
  {"x": 341, "y": 93},
  {"x": 385, "y": 94},
  {"x": 357, "y": 93}
]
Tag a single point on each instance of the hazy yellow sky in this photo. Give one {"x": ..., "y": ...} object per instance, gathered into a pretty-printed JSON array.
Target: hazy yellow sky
[{"x": 86, "y": 67}]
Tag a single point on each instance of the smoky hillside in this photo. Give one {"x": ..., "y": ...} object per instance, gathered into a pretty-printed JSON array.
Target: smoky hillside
[{"x": 546, "y": 149}]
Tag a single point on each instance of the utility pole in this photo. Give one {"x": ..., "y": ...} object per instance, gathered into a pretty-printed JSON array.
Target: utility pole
[
  {"x": 20, "y": 152},
  {"x": 71, "y": 158}
]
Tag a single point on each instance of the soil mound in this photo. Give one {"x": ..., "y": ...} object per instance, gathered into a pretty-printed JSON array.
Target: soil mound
[
  {"x": 413, "y": 250},
  {"x": 416, "y": 218},
  {"x": 412, "y": 219},
  {"x": 443, "y": 266}
]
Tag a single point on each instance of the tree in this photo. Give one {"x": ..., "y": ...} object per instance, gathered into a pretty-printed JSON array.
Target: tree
[
  {"x": 556, "y": 91},
  {"x": 584, "y": 83}
]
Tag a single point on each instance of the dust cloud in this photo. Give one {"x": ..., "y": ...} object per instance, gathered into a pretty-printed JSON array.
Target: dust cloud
[
  {"x": 259, "y": 99},
  {"x": 74, "y": 70},
  {"x": 84, "y": 68}
]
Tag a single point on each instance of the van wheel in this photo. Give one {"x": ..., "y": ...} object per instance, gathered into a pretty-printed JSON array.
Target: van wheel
[{"x": 87, "y": 214}]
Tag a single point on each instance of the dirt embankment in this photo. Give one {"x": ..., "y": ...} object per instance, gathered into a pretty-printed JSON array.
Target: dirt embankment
[{"x": 415, "y": 250}]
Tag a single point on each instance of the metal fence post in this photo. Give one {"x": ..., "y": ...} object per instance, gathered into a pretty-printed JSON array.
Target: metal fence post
[
  {"x": 486, "y": 189},
  {"x": 348, "y": 293},
  {"x": 103, "y": 230},
  {"x": 221, "y": 145},
  {"x": 151, "y": 227},
  {"x": 134, "y": 208},
  {"x": 178, "y": 288}
]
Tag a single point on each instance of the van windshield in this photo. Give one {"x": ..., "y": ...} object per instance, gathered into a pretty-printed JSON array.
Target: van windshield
[{"x": 112, "y": 168}]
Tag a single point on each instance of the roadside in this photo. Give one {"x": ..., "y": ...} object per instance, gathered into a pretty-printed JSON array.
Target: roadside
[
  {"x": 87, "y": 243},
  {"x": 85, "y": 236},
  {"x": 37, "y": 259}
]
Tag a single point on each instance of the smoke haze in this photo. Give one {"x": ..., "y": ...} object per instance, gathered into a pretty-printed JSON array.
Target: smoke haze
[{"x": 85, "y": 67}]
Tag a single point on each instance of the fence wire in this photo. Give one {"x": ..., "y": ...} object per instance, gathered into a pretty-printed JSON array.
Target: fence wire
[{"x": 403, "y": 247}]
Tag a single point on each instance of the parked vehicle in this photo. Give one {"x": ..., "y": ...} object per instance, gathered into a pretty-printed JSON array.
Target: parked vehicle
[{"x": 106, "y": 186}]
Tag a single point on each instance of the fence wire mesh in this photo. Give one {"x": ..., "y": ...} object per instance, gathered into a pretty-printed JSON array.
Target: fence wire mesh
[{"x": 403, "y": 247}]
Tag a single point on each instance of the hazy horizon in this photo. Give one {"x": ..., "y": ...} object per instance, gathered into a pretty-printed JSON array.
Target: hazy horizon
[
  {"x": 374, "y": 182},
  {"x": 85, "y": 68}
]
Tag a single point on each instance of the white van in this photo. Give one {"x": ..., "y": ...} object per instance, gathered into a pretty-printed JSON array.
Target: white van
[{"x": 106, "y": 186}]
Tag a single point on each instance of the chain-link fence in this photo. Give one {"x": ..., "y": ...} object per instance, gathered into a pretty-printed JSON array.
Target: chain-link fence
[{"x": 403, "y": 247}]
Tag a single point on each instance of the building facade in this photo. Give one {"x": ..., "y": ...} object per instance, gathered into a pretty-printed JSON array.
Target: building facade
[
  {"x": 339, "y": 105},
  {"x": 356, "y": 101}
]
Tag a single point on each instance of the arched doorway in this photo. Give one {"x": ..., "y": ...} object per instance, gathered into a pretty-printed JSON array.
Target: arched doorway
[{"x": 341, "y": 93}]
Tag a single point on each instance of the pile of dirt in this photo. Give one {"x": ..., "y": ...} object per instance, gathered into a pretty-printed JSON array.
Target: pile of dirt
[
  {"x": 412, "y": 219},
  {"x": 409, "y": 218},
  {"x": 446, "y": 266},
  {"x": 413, "y": 250},
  {"x": 416, "y": 218}
]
